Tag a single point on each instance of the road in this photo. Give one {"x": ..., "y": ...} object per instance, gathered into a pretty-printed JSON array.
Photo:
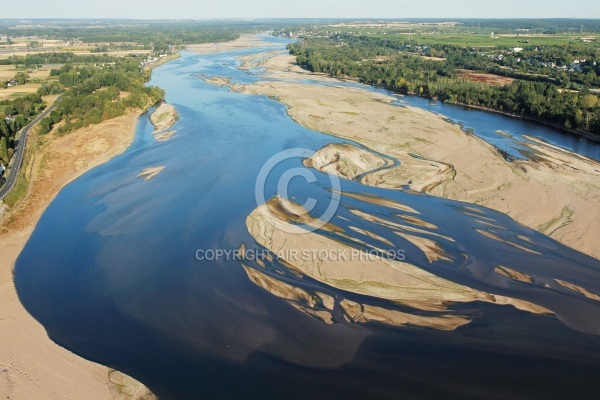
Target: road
[{"x": 11, "y": 179}]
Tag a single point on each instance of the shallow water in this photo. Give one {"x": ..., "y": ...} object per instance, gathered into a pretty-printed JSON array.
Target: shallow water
[{"x": 111, "y": 269}]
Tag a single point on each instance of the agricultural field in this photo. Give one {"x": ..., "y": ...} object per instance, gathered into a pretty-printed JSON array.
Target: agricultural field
[
  {"x": 460, "y": 36},
  {"x": 490, "y": 79},
  {"x": 488, "y": 41},
  {"x": 78, "y": 48},
  {"x": 15, "y": 92}
]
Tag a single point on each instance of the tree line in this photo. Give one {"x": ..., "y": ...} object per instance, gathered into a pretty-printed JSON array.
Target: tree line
[
  {"x": 387, "y": 67},
  {"x": 35, "y": 59}
]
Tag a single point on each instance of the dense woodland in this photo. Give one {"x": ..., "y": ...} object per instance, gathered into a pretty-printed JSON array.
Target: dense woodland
[{"x": 384, "y": 63}]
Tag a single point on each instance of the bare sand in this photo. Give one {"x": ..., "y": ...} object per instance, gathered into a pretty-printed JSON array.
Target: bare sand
[
  {"x": 244, "y": 41},
  {"x": 163, "y": 118},
  {"x": 397, "y": 281},
  {"x": 150, "y": 173},
  {"x": 284, "y": 67},
  {"x": 31, "y": 365},
  {"x": 557, "y": 193}
]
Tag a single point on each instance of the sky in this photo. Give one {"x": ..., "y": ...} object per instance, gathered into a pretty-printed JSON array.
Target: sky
[{"x": 190, "y": 9}]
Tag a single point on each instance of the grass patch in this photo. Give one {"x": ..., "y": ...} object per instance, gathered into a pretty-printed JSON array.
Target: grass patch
[
  {"x": 19, "y": 191},
  {"x": 561, "y": 220}
]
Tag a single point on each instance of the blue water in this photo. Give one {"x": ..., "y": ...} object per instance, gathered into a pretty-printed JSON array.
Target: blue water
[
  {"x": 111, "y": 273},
  {"x": 488, "y": 125}
]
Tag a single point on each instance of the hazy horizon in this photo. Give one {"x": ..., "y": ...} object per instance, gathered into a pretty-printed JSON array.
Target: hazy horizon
[{"x": 237, "y": 9}]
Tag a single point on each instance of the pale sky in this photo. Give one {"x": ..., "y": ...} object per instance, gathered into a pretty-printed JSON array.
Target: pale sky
[{"x": 175, "y": 9}]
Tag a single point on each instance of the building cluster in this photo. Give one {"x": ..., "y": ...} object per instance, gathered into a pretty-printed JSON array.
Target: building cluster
[
  {"x": 151, "y": 59},
  {"x": 421, "y": 48},
  {"x": 575, "y": 66}
]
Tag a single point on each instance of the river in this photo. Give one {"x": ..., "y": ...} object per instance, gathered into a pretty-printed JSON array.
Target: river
[{"x": 112, "y": 272}]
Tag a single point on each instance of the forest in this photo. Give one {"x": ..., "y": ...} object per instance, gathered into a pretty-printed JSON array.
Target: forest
[{"x": 54, "y": 58}]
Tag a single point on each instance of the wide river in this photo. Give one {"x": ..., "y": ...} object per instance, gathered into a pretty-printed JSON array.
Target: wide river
[{"x": 112, "y": 272}]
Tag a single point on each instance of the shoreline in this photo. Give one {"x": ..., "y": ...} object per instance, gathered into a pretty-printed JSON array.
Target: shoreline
[
  {"x": 58, "y": 372},
  {"x": 34, "y": 366},
  {"x": 581, "y": 134},
  {"x": 244, "y": 41},
  {"x": 578, "y": 133}
]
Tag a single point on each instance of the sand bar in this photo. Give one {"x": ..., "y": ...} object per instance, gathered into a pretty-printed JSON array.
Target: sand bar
[{"x": 438, "y": 158}]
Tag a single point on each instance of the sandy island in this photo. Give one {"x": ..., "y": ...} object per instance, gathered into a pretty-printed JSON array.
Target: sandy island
[
  {"x": 556, "y": 193},
  {"x": 272, "y": 225},
  {"x": 163, "y": 118},
  {"x": 244, "y": 41},
  {"x": 31, "y": 365}
]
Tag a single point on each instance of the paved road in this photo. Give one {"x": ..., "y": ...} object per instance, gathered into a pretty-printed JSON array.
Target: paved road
[{"x": 11, "y": 179}]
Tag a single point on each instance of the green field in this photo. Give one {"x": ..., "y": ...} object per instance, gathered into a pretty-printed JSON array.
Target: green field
[
  {"x": 463, "y": 36},
  {"x": 481, "y": 40}
]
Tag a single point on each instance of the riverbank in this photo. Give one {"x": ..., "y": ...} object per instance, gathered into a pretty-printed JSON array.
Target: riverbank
[
  {"x": 31, "y": 365},
  {"x": 556, "y": 193},
  {"x": 149, "y": 67},
  {"x": 578, "y": 133}
]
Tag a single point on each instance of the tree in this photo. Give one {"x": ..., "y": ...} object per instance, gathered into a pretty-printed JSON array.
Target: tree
[
  {"x": 589, "y": 101},
  {"x": 45, "y": 125},
  {"x": 95, "y": 116},
  {"x": 4, "y": 150},
  {"x": 21, "y": 78},
  {"x": 55, "y": 116}
]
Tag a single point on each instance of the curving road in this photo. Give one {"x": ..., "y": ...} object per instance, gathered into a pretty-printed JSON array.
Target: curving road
[{"x": 11, "y": 179}]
